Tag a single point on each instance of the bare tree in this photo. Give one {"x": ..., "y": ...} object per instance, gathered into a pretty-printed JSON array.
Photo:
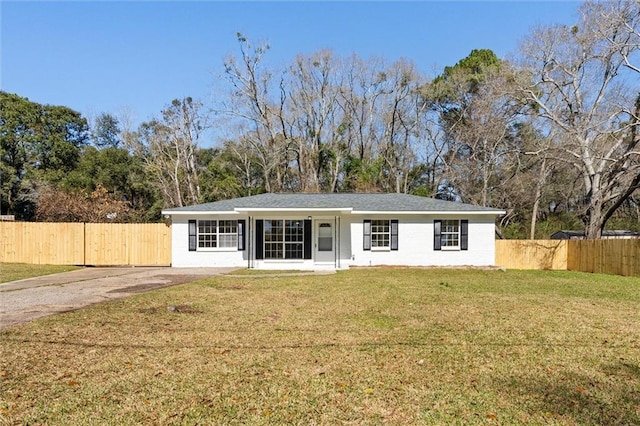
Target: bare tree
[
  {"x": 361, "y": 100},
  {"x": 259, "y": 113},
  {"x": 617, "y": 25},
  {"x": 400, "y": 116},
  {"x": 431, "y": 152},
  {"x": 315, "y": 118},
  {"x": 168, "y": 147},
  {"x": 582, "y": 86},
  {"x": 323, "y": 113},
  {"x": 537, "y": 168}
]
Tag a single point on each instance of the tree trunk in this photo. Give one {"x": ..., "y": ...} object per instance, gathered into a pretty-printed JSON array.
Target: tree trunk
[
  {"x": 536, "y": 202},
  {"x": 595, "y": 224}
]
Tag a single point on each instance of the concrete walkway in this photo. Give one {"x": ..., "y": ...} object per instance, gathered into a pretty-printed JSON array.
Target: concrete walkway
[{"x": 24, "y": 300}]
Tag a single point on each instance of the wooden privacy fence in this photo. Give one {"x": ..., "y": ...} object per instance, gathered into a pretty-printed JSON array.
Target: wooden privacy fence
[
  {"x": 97, "y": 244},
  {"x": 616, "y": 257},
  {"x": 532, "y": 254}
]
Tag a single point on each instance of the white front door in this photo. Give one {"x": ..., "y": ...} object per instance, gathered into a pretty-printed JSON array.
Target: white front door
[{"x": 324, "y": 244}]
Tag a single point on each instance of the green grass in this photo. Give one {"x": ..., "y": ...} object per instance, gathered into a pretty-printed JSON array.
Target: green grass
[
  {"x": 401, "y": 346},
  {"x": 20, "y": 271}
]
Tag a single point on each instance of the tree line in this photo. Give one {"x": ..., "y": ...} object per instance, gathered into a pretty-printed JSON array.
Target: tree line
[{"x": 551, "y": 136}]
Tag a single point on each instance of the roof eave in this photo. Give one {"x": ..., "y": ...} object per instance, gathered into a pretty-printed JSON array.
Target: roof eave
[
  {"x": 432, "y": 212},
  {"x": 340, "y": 210},
  {"x": 195, "y": 212},
  {"x": 293, "y": 209}
]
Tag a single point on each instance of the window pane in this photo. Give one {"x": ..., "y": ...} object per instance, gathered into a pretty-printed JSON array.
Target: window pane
[
  {"x": 293, "y": 251},
  {"x": 207, "y": 234},
  {"x": 450, "y": 236},
  {"x": 228, "y": 240},
  {"x": 294, "y": 230},
  {"x": 273, "y": 238},
  {"x": 227, "y": 226},
  {"x": 228, "y": 233},
  {"x": 273, "y": 251},
  {"x": 380, "y": 233},
  {"x": 325, "y": 237},
  {"x": 325, "y": 243}
]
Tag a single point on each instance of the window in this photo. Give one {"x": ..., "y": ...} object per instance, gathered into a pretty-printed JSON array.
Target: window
[
  {"x": 450, "y": 234},
  {"x": 217, "y": 234},
  {"x": 227, "y": 233},
  {"x": 380, "y": 234},
  {"x": 273, "y": 239},
  {"x": 283, "y": 239},
  {"x": 325, "y": 237}
]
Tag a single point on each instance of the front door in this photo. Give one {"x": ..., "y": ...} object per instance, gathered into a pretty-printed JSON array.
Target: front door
[{"x": 324, "y": 244}]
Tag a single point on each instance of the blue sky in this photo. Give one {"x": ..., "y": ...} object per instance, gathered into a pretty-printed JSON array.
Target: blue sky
[{"x": 108, "y": 56}]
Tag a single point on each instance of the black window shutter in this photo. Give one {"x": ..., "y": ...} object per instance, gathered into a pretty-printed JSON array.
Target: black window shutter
[
  {"x": 193, "y": 236},
  {"x": 241, "y": 240},
  {"x": 307, "y": 239},
  {"x": 464, "y": 234},
  {"x": 366, "y": 237},
  {"x": 259, "y": 238},
  {"x": 437, "y": 226},
  {"x": 394, "y": 234}
]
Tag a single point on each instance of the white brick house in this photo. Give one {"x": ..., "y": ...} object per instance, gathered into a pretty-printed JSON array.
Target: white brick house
[{"x": 332, "y": 231}]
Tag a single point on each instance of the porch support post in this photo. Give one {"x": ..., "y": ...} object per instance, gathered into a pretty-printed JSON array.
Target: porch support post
[
  {"x": 336, "y": 221},
  {"x": 249, "y": 242}
]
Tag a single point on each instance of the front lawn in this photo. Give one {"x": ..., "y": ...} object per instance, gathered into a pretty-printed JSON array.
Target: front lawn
[
  {"x": 367, "y": 346},
  {"x": 20, "y": 271}
]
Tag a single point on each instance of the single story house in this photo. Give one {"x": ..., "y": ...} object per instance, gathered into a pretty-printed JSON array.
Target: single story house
[{"x": 332, "y": 231}]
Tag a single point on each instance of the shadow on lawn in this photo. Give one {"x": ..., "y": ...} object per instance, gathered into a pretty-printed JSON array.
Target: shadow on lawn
[{"x": 612, "y": 399}]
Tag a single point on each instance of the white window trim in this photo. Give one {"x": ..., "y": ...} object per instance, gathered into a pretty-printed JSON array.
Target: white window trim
[
  {"x": 218, "y": 249},
  {"x": 218, "y": 234},
  {"x": 388, "y": 233},
  {"x": 442, "y": 233},
  {"x": 284, "y": 242}
]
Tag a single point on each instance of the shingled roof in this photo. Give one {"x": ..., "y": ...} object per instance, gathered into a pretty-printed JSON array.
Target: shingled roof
[{"x": 354, "y": 202}]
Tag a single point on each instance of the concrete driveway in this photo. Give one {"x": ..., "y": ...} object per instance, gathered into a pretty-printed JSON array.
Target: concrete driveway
[{"x": 25, "y": 300}]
